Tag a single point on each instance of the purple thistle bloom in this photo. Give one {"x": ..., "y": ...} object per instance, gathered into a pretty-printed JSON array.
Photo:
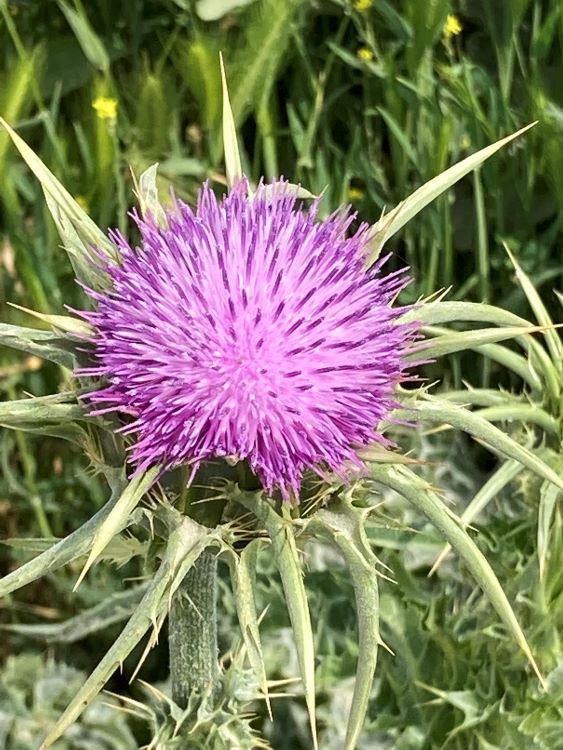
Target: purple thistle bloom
[{"x": 249, "y": 328}]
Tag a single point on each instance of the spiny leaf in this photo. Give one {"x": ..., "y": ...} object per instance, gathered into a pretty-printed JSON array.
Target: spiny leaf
[
  {"x": 243, "y": 573},
  {"x": 420, "y": 495},
  {"x": 281, "y": 535},
  {"x": 39, "y": 410},
  {"x": 502, "y": 476},
  {"x": 42, "y": 344},
  {"x": 183, "y": 548},
  {"x": 447, "y": 342},
  {"x": 148, "y": 196},
  {"x": 344, "y": 526},
  {"x": 551, "y": 335},
  {"x": 527, "y": 413},
  {"x": 512, "y": 361},
  {"x": 396, "y": 219},
  {"x": 233, "y": 166},
  {"x": 117, "y": 518},
  {"x": 67, "y": 549},
  {"x": 548, "y": 498},
  {"x": 441, "y": 311},
  {"x": 436, "y": 411},
  {"x": 64, "y": 323}
]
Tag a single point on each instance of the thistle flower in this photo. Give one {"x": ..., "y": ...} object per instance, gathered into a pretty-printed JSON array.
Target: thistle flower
[{"x": 248, "y": 328}]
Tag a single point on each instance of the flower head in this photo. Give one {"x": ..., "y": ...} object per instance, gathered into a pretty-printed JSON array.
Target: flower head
[
  {"x": 362, "y": 6},
  {"x": 106, "y": 107},
  {"x": 365, "y": 54},
  {"x": 249, "y": 328},
  {"x": 452, "y": 27}
]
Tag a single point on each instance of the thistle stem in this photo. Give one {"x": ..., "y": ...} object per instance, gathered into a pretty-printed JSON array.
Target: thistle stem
[{"x": 192, "y": 632}]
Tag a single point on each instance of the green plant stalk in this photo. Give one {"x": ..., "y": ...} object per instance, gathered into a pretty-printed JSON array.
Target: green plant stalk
[{"x": 192, "y": 632}]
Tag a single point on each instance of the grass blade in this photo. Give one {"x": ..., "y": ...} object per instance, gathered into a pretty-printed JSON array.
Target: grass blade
[
  {"x": 420, "y": 495},
  {"x": 87, "y": 38}
]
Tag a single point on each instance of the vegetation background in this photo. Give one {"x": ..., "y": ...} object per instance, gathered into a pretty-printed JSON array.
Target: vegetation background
[{"x": 364, "y": 101}]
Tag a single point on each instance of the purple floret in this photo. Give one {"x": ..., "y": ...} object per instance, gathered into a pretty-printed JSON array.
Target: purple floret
[{"x": 249, "y": 328}]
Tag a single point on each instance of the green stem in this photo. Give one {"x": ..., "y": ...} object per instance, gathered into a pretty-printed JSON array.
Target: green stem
[{"x": 192, "y": 632}]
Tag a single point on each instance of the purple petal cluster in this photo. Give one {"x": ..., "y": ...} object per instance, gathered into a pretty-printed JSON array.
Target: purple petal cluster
[{"x": 248, "y": 328}]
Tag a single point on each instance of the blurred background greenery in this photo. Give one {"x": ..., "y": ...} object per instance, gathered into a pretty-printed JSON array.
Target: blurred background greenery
[{"x": 364, "y": 101}]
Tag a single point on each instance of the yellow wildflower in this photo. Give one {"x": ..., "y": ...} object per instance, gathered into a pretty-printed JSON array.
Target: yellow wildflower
[
  {"x": 82, "y": 202},
  {"x": 465, "y": 142},
  {"x": 106, "y": 107},
  {"x": 362, "y": 6},
  {"x": 365, "y": 54},
  {"x": 452, "y": 27},
  {"x": 355, "y": 194}
]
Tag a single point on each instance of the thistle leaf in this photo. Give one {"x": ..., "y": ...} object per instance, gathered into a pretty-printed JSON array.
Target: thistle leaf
[
  {"x": 431, "y": 409},
  {"x": 148, "y": 196},
  {"x": 343, "y": 526},
  {"x": 183, "y": 548},
  {"x": 67, "y": 549},
  {"x": 243, "y": 573},
  {"x": 233, "y": 166},
  {"x": 117, "y": 519},
  {"x": 420, "y": 495},
  {"x": 530, "y": 413},
  {"x": 552, "y": 338},
  {"x": 433, "y": 313},
  {"x": 64, "y": 323},
  {"x": 502, "y": 476},
  {"x": 282, "y": 537},
  {"x": 36, "y": 411},
  {"x": 512, "y": 361},
  {"x": 447, "y": 342},
  {"x": 391, "y": 223},
  {"x": 548, "y": 498},
  {"x": 42, "y": 344}
]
